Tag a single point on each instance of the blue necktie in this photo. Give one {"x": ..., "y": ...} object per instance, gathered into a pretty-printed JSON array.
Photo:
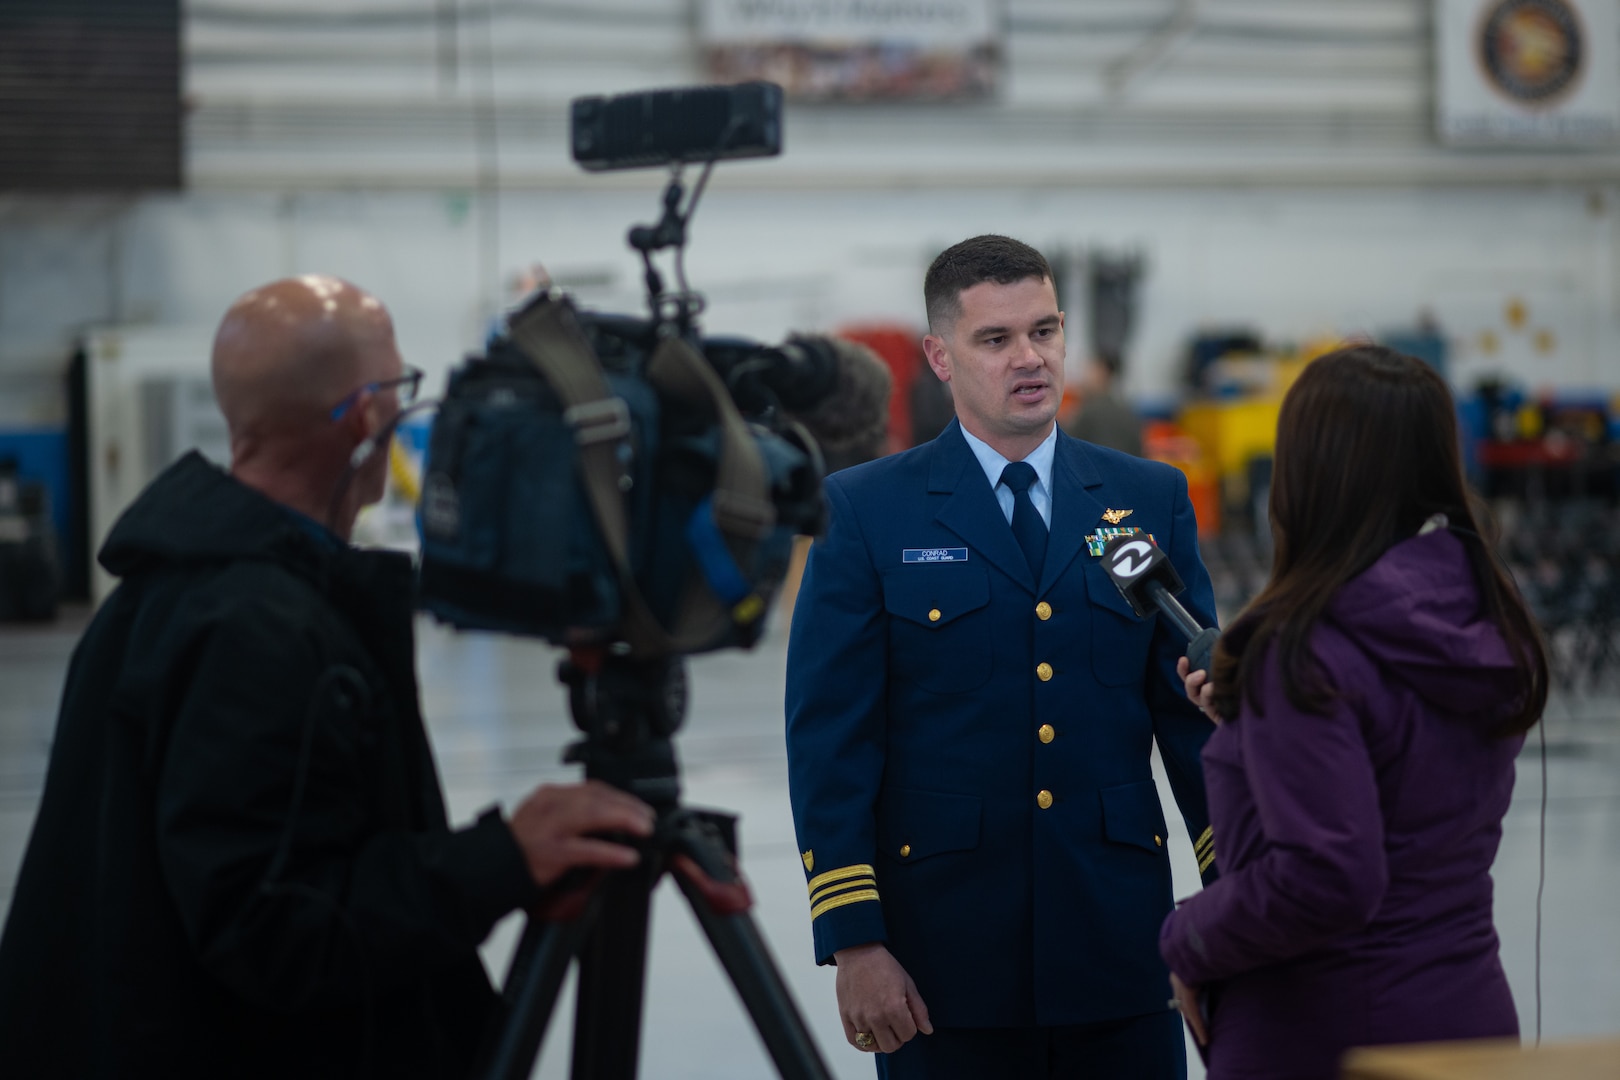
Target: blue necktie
[{"x": 1027, "y": 525}]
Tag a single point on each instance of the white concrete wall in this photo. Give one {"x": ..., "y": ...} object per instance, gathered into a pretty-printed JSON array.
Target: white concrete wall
[
  {"x": 1275, "y": 163},
  {"x": 1292, "y": 263}
]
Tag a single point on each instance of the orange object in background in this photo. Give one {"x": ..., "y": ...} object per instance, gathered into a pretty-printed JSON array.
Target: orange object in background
[
  {"x": 1068, "y": 405},
  {"x": 1165, "y": 441},
  {"x": 900, "y": 347}
]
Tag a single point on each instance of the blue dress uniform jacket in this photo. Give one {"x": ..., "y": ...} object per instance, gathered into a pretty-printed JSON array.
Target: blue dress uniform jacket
[{"x": 968, "y": 747}]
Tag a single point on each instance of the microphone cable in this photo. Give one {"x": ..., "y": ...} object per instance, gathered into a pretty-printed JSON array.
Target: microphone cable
[
  {"x": 1541, "y": 874},
  {"x": 1541, "y": 740}
]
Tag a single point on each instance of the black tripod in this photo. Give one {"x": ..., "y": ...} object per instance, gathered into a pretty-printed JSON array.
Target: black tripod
[{"x": 629, "y": 711}]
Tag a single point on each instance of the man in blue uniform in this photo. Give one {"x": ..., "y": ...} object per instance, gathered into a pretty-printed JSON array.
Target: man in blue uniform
[{"x": 971, "y": 707}]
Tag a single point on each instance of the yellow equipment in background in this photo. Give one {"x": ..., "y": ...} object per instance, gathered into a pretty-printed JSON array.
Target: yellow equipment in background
[
  {"x": 406, "y": 477},
  {"x": 1233, "y": 431}
]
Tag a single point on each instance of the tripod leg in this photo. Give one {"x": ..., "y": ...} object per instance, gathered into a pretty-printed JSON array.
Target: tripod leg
[
  {"x": 533, "y": 981},
  {"x": 742, "y": 952},
  {"x": 612, "y": 972}
]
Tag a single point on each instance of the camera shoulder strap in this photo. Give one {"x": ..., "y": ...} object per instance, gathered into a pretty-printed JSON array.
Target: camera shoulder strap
[
  {"x": 548, "y": 334},
  {"x": 740, "y": 508}
]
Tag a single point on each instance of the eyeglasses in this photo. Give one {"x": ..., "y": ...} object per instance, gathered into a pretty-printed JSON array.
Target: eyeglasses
[{"x": 406, "y": 386}]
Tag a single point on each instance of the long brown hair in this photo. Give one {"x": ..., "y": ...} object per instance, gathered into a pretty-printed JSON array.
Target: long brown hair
[{"x": 1367, "y": 451}]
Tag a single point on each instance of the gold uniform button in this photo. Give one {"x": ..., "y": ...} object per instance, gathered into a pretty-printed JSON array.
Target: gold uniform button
[
  {"x": 1044, "y": 800},
  {"x": 1044, "y": 671},
  {"x": 1043, "y": 611},
  {"x": 1047, "y": 733},
  {"x": 933, "y": 615},
  {"x": 1158, "y": 840},
  {"x": 905, "y": 850}
]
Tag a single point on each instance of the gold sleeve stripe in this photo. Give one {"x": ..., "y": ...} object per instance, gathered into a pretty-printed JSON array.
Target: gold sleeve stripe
[
  {"x": 865, "y": 881},
  {"x": 1205, "y": 839},
  {"x": 843, "y": 873},
  {"x": 1205, "y": 862},
  {"x": 839, "y": 901}
]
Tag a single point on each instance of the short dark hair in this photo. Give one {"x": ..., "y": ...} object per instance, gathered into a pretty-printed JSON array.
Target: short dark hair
[
  {"x": 1367, "y": 450},
  {"x": 1000, "y": 259}
]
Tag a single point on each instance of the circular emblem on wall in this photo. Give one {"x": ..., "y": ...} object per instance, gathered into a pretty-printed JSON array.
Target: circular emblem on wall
[{"x": 1532, "y": 50}]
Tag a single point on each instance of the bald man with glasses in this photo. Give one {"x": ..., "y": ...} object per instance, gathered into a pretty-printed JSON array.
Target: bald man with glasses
[{"x": 241, "y": 864}]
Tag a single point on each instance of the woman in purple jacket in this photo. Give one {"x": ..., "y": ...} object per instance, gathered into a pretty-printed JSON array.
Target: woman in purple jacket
[{"x": 1371, "y": 701}]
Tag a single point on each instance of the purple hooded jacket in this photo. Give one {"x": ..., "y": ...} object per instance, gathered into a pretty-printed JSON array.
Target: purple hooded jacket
[{"x": 1354, "y": 902}]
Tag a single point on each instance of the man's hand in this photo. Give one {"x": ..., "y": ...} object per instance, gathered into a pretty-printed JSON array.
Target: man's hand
[
  {"x": 1199, "y": 691},
  {"x": 1188, "y": 1000},
  {"x": 553, "y": 824},
  {"x": 877, "y": 997}
]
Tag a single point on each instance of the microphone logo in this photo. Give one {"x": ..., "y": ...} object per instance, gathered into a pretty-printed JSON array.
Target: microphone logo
[
  {"x": 1147, "y": 579},
  {"x": 1130, "y": 559}
]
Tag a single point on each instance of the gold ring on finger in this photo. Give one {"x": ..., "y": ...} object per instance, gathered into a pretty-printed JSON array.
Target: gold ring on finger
[{"x": 864, "y": 1040}]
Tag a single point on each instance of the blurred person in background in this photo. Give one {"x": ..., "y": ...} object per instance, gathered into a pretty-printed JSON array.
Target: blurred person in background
[
  {"x": 1372, "y": 699},
  {"x": 1106, "y": 416},
  {"x": 241, "y": 864},
  {"x": 929, "y": 406}
]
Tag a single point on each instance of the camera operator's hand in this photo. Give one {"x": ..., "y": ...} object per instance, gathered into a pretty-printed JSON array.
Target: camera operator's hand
[
  {"x": 876, "y": 998},
  {"x": 553, "y": 827}
]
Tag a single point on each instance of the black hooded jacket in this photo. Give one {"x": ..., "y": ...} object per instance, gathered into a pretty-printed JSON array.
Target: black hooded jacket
[{"x": 241, "y": 864}]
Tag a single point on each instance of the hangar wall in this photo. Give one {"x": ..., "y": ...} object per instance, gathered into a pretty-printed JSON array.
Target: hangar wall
[{"x": 1273, "y": 160}]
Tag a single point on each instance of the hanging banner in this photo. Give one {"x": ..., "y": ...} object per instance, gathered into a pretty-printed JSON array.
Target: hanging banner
[
  {"x": 855, "y": 50},
  {"x": 1527, "y": 71}
]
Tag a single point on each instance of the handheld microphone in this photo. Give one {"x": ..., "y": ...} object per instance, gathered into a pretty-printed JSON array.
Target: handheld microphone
[{"x": 1147, "y": 579}]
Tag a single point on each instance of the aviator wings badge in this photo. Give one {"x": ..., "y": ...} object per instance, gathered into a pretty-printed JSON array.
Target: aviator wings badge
[{"x": 1114, "y": 517}]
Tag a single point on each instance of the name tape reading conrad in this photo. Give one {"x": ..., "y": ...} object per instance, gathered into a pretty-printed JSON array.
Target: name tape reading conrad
[{"x": 912, "y": 555}]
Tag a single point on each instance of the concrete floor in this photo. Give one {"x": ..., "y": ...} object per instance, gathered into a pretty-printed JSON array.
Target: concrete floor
[{"x": 499, "y": 722}]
